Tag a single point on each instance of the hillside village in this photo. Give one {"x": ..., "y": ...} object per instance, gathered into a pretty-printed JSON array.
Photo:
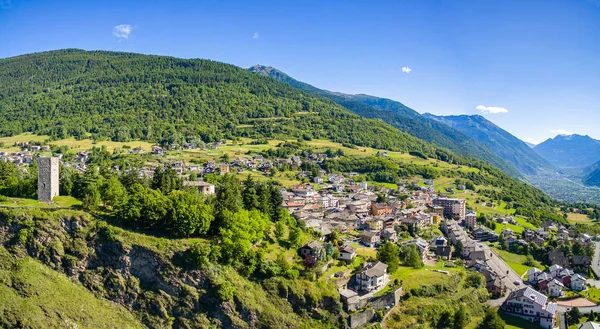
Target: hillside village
[{"x": 342, "y": 211}]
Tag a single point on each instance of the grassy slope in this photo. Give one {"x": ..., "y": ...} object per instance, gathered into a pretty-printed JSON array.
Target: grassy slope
[
  {"x": 515, "y": 261},
  {"x": 36, "y": 296}
]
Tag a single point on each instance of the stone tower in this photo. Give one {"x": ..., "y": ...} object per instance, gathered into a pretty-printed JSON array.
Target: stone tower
[{"x": 47, "y": 178}]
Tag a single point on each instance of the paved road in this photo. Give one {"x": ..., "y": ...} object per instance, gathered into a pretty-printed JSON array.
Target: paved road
[
  {"x": 596, "y": 260},
  {"x": 562, "y": 319}
]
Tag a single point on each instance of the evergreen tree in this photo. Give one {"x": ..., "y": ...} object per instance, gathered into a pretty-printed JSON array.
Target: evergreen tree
[
  {"x": 389, "y": 254},
  {"x": 250, "y": 199}
]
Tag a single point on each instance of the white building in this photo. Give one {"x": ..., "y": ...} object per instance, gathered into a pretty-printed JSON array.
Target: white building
[
  {"x": 531, "y": 305},
  {"x": 532, "y": 274},
  {"x": 363, "y": 185},
  {"x": 555, "y": 288},
  {"x": 372, "y": 277},
  {"x": 347, "y": 253},
  {"x": 578, "y": 282}
]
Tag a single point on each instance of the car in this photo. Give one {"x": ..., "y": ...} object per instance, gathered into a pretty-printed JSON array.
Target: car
[{"x": 517, "y": 283}]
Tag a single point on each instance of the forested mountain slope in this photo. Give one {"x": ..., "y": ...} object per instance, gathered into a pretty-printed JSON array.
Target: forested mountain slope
[
  {"x": 401, "y": 117},
  {"x": 125, "y": 96},
  {"x": 502, "y": 142}
]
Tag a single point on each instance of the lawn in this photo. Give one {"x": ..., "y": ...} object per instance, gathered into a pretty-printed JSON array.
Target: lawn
[
  {"x": 26, "y": 137},
  {"x": 413, "y": 278},
  {"x": 574, "y": 218},
  {"x": 513, "y": 322},
  {"x": 515, "y": 261},
  {"x": 517, "y": 229},
  {"x": 364, "y": 252},
  {"x": 58, "y": 202},
  {"x": 592, "y": 293}
]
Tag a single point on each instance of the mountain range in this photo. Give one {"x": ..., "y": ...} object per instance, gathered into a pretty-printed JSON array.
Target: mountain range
[
  {"x": 570, "y": 151},
  {"x": 466, "y": 135},
  {"x": 399, "y": 116},
  {"x": 505, "y": 145}
]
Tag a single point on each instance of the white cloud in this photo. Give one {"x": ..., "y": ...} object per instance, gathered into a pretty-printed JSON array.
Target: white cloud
[
  {"x": 406, "y": 69},
  {"x": 561, "y": 132},
  {"x": 491, "y": 109},
  {"x": 531, "y": 140},
  {"x": 255, "y": 35},
  {"x": 122, "y": 31}
]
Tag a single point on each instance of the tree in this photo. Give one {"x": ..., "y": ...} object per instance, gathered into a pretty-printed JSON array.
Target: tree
[
  {"x": 276, "y": 200},
  {"x": 491, "y": 320},
  {"x": 187, "y": 214},
  {"x": 410, "y": 256},
  {"x": 92, "y": 197},
  {"x": 474, "y": 280},
  {"x": 114, "y": 193},
  {"x": 310, "y": 261},
  {"x": 574, "y": 315},
  {"x": 239, "y": 232},
  {"x": 228, "y": 198},
  {"x": 529, "y": 261},
  {"x": 458, "y": 248},
  {"x": 279, "y": 230},
  {"x": 389, "y": 254},
  {"x": 295, "y": 237},
  {"x": 166, "y": 180},
  {"x": 334, "y": 237},
  {"x": 249, "y": 197},
  {"x": 461, "y": 317},
  {"x": 446, "y": 320},
  {"x": 199, "y": 254},
  {"x": 65, "y": 184}
]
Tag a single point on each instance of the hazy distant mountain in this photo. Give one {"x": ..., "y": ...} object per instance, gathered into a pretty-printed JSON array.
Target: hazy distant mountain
[
  {"x": 507, "y": 146},
  {"x": 531, "y": 145},
  {"x": 401, "y": 117},
  {"x": 591, "y": 175},
  {"x": 570, "y": 151}
]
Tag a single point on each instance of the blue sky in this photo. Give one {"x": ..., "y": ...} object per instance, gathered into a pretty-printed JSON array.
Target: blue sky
[{"x": 539, "y": 60}]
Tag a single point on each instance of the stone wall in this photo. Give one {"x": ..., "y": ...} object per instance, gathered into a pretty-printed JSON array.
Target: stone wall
[
  {"x": 358, "y": 319},
  {"x": 371, "y": 305}
]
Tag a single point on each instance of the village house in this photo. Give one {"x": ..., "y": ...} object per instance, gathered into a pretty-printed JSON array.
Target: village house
[
  {"x": 555, "y": 288},
  {"x": 532, "y": 274},
  {"x": 224, "y": 168},
  {"x": 493, "y": 283},
  {"x": 444, "y": 252},
  {"x": 203, "y": 187},
  {"x": 372, "y": 277},
  {"x": 578, "y": 282},
  {"x": 312, "y": 248},
  {"x": 389, "y": 234},
  {"x": 422, "y": 247},
  {"x": 370, "y": 238},
  {"x": 347, "y": 253},
  {"x": 380, "y": 209},
  {"x": 374, "y": 224},
  {"x": 531, "y": 305},
  {"x": 556, "y": 257}
]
